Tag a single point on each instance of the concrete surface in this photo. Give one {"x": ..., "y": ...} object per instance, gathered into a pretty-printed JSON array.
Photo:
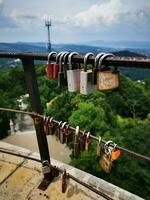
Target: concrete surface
[{"x": 19, "y": 179}]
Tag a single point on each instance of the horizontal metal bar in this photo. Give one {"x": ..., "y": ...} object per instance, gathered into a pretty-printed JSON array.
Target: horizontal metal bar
[{"x": 135, "y": 62}]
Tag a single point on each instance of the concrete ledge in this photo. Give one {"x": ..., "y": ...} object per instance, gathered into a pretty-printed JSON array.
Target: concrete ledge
[{"x": 111, "y": 190}]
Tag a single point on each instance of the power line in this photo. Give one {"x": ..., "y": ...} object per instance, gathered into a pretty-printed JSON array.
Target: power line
[{"x": 127, "y": 151}]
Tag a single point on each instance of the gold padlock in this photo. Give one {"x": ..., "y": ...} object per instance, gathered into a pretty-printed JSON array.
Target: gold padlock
[
  {"x": 107, "y": 79},
  {"x": 106, "y": 162},
  {"x": 98, "y": 149}
]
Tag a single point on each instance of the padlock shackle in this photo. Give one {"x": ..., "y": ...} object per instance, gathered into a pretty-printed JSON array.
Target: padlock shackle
[
  {"x": 61, "y": 60},
  {"x": 49, "y": 56},
  {"x": 102, "y": 58},
  {"x": 70, "y": 59},
  {"x": 57, "y": 57},
  {"x": 86, "y": 58},
  {"x": 98, "y": 56}
]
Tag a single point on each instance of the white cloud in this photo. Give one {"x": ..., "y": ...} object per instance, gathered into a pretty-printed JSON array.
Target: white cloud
[{"x": 102, "y": 14}]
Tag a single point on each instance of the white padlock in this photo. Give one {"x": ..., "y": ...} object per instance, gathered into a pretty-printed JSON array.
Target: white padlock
[
  {"x": 86, "y": 78},
  {"x": 73, "y": 75}
]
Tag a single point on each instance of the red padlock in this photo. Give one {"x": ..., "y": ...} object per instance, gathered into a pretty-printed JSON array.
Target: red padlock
[
  {"x": 49, "y": 66},
  {"x": 56, "y": 66}
]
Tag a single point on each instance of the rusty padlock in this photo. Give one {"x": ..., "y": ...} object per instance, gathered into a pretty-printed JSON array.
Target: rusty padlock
[
  {"x": 67, "y": 134},
  {"x": 49, "y": 65},
  {"x": 98, "y": 149},
  {"x": 107, "y": 79},
  {"x": 76, "y": 142},
  {"x": 51, "y": 126},
  {"x": 62, "y": 133},
  {"x": 86, "y": 76},
  {"x": 64, "y": 181},
  {"x": 46, "y": 125},
  {"x": 58, "y": 131},
  {"x": 87, "y": 142},
  {"x": 73, "y": 75}
]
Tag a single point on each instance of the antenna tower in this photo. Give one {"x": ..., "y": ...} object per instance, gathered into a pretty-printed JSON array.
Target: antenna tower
[{"x": 48, "y": 24}]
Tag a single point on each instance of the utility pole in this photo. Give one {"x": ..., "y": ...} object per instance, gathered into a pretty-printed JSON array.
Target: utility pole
[{"x": 48, "y": 24}]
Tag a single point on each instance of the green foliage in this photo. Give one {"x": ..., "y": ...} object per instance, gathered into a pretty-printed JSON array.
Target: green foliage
[
  {"x": 12, "y": 86},
  {"x": 122, "y": 116},
  {"x": 89, "y": 117}
]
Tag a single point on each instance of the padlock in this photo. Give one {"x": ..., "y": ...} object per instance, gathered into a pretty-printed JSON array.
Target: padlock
[
  {"x": 51, "y": 126},
  {"x": 56, "y": 66},
  {"x": 106, "y": 79},
  {"x": 62, "y": 80},
  {"x": 87, "y": 142},
  {"x": 64, "y": 181},
  {"x": 58, "y": 131},
  {"x": 46, "y": 126},
  {"x": 49, "y": 66},
  {"x": 98, "y": 149},
  {"x": 95, "y": 68},
  {"x": 82, "y": 141},
  {"x": 76, "y": 142},
  {"x": 62, "y": 133},
  {"x": 106, "y": 162},
  {"x": 73, "y": 75},
  {"x": 86, "y": 83},
  {"x": 115, "y": 154},
  {"x": 68, "y": 134}
]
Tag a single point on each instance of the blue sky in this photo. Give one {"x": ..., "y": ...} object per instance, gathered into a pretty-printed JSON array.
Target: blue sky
[{"x": 74, "y": 20}]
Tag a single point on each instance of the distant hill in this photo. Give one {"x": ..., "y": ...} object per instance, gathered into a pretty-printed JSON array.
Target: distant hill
[
  {"x": 120, "y": 44},
  {"x": 82, "y": 49}
]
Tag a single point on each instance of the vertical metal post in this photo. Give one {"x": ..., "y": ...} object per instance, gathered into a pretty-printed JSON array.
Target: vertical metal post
[{"x": 31, "y": 81}]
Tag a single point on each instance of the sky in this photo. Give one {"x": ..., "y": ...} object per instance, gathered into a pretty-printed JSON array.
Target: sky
[{"x": 74, "y": 21}]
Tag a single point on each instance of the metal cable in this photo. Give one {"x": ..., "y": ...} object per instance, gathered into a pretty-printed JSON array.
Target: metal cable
[
  {"x": 127, "y": 151},
  {"x": 61, "y": 171}
]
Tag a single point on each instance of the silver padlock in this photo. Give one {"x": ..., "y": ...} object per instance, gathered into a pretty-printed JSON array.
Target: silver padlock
[
  {"x": 86, "y": 78},
  {"x": 73, "y": 75}
]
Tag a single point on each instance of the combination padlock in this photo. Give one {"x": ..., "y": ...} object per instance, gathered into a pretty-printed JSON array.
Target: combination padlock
[
  {"x": 73, "y": 75},
  {"x": 106, "y": 79},
  {"x": 86, "y": 76},
  {"x": 49, "y": 65}
]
